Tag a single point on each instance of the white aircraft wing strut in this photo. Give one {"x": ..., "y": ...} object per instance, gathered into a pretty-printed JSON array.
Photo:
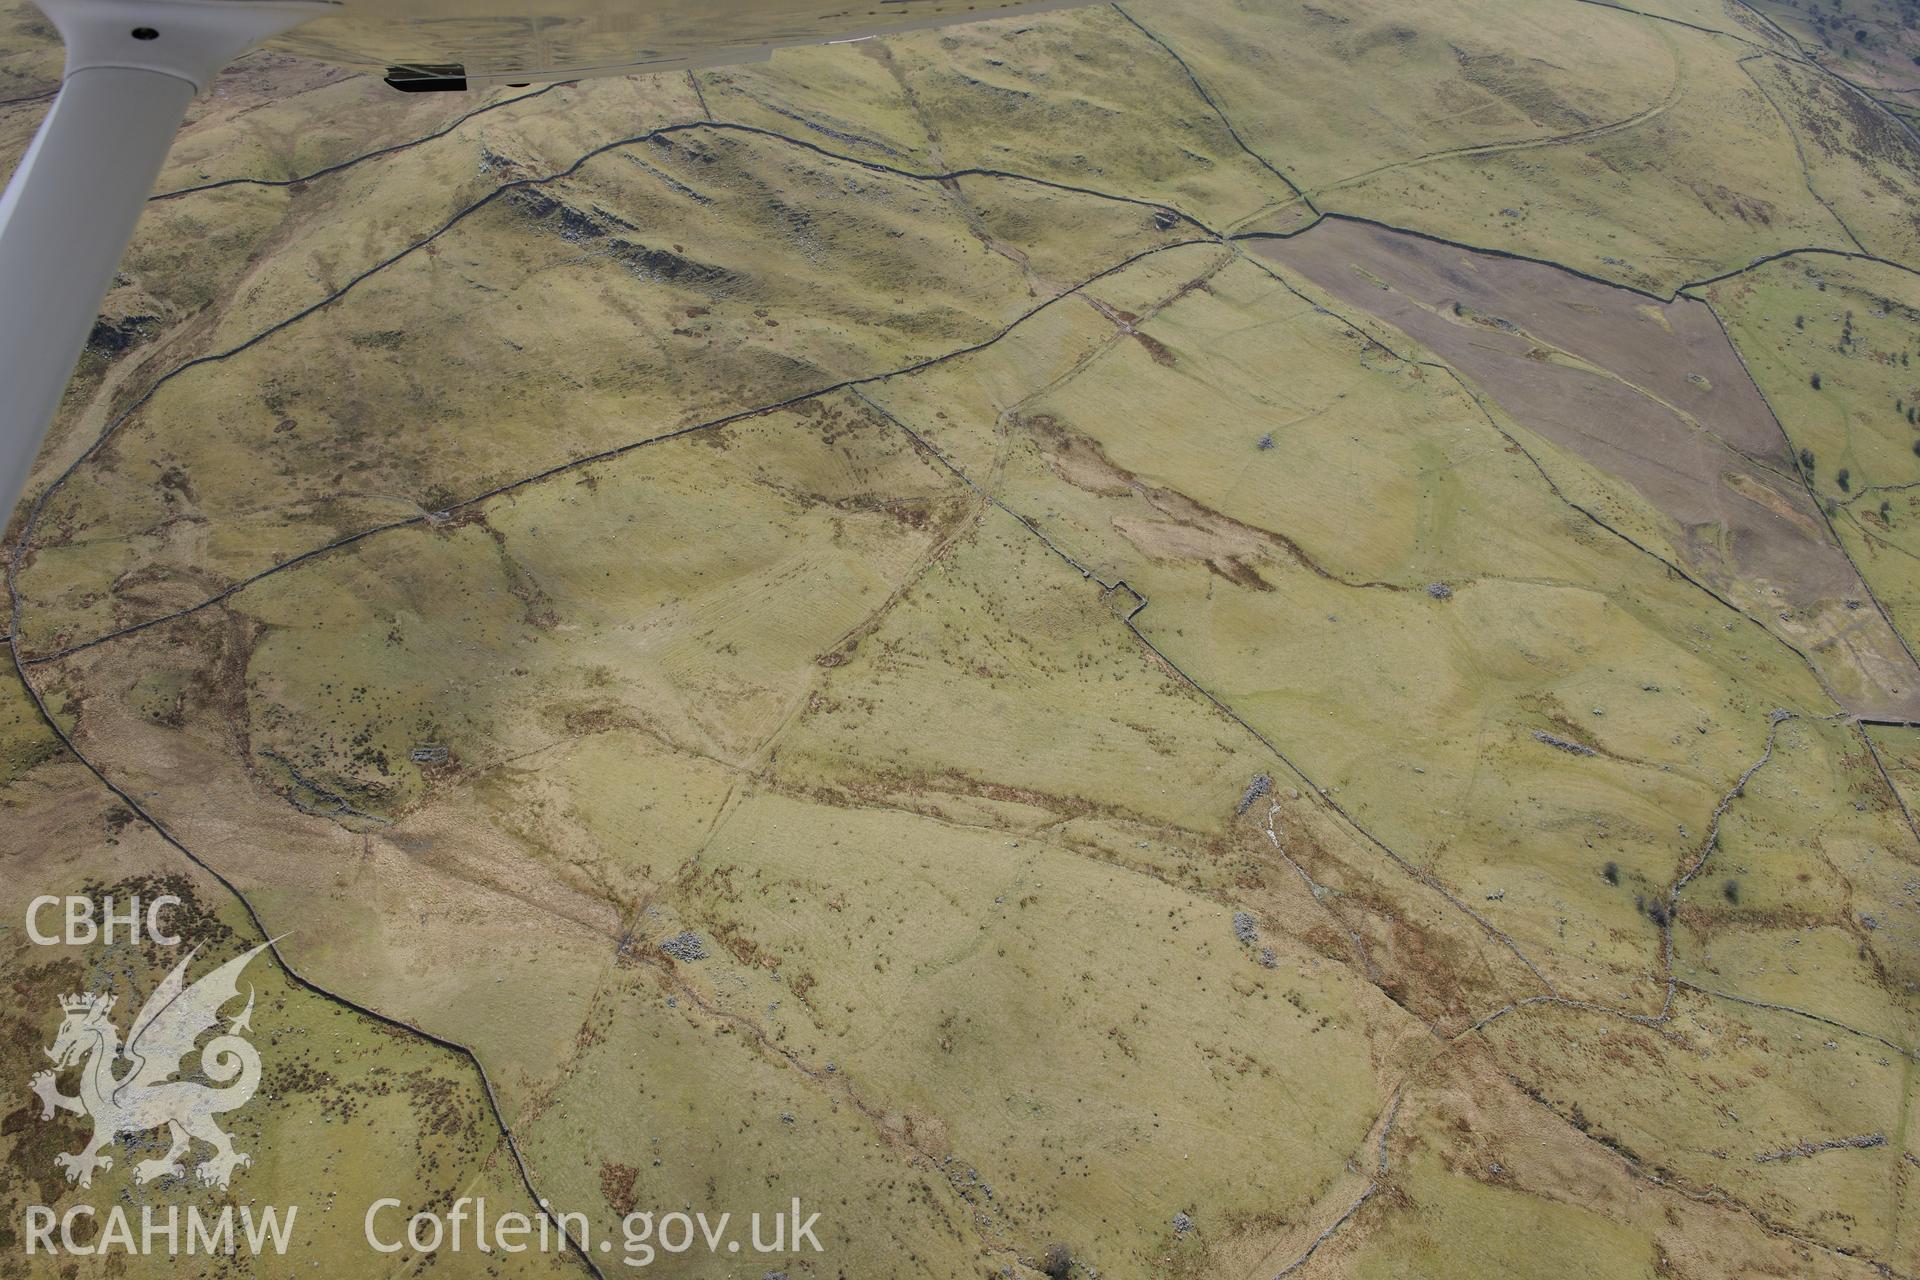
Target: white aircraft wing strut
[
  {"x": 133, "y": 66},
  {"x": 70, "y": 208}
]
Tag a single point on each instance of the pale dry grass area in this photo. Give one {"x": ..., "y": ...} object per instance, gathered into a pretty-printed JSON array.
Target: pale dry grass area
[
  {"x": 401, "y": 1117},
  {"x": 1195, "y": 706}
]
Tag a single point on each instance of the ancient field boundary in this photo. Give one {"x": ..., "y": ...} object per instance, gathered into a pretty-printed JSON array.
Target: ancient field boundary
[
  {"x": 1218, "y": 110},
  {"x": 351, "y": 161},
  {"x": 300, "y": 980},
  {"x": 853, "y": 384}
]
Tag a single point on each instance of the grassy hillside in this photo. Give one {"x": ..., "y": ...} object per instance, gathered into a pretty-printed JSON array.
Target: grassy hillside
[{"x": 1209, "y": 639}]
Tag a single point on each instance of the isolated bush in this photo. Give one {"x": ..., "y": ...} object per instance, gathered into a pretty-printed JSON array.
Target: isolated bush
[
  {"x": 1611, "y": 873},
  {"x": 1731, "y": 891},
  {"x": 1816, "y": 381},
  {"x": 1058, "y": 1262},
  {"x": 1844, "y": 479}
]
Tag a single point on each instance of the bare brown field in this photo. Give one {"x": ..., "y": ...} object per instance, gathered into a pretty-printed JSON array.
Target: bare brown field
[
  {"x": 1651, "y": 394},
  {"x": 917, "y": 626}
]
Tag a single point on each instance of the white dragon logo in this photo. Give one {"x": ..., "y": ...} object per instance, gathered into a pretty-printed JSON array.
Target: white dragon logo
[{"x": 163, "y": 1034}]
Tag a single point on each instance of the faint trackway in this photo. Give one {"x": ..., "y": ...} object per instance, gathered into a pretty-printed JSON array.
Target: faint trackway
[
  {"x": 1371, "y": 973},
  {"x": 165, "y": 833},
  {"x": 510, "y": 486},
  {"x": 854, "y": 384},
  {"x": 24, "y": 542},
  {"x": 1865, "y": 586},
  {"x": 619, "y": 450},
  {"x": 1418, "y": 873},
  {"x": 1622, "y": 125},
  {"x": 1210, "y": 235},
  {"x": 1546, "y": 477},
  {"x": 1799, "y": 53},
  {"x": 814, "y": 126},
  {"x": 38, "y": 508},
  {"x": 1774, "y": 721}
]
